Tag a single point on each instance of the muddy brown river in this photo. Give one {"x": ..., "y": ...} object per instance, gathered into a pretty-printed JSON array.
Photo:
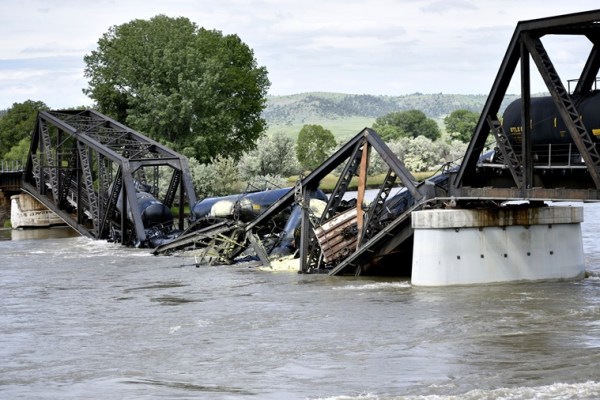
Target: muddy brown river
[{"x": 83, "y": 319}]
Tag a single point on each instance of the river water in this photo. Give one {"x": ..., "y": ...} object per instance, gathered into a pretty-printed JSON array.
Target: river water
[{"x": 82, "y": 319}]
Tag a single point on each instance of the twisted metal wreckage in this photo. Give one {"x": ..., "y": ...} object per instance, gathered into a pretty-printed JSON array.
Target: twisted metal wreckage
[
  {"x": 102, "y": 179},
  {"x": 330, "y": 234}
]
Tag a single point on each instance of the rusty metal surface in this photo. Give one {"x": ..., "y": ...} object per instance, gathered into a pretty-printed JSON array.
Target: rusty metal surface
[
  {"x": 534, "y": 194},
  {"x": 337, "y": 237},
  {"x": 503, "y": 216},
  {"x": 11, "y": 181}
]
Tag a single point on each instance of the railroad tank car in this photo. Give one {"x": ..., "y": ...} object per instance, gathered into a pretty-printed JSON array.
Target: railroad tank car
[
  {"x": 289, "y": 239},
  {"x": 203, "y": 207},
  {"x": 246, "y": 206},
  {"x": 252, "y": 205},
  {"x": 547, "y": 125},
  {"x": 157, "y": 219},
  {"x": 153, "y": 212}
]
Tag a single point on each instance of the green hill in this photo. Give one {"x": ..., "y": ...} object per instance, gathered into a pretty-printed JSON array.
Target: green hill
[{"x": 346, "y": 114}]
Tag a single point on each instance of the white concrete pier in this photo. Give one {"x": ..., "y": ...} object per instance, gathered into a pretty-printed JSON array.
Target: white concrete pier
[
  {"x": 27, "y": 212},
  {"x": 460, "y": 247}
]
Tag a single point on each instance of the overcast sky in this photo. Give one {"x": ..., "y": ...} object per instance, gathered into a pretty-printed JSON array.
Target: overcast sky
[{"x": 389, "y": 47}]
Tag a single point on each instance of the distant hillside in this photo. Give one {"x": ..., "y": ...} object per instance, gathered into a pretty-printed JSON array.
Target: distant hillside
[{"x": 346, "y": 114}]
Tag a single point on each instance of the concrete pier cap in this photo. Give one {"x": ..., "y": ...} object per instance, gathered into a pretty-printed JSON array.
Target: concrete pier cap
[{"x": 504, "y": 244}]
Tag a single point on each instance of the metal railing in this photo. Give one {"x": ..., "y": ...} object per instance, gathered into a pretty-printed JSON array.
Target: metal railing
[
  {"x": 574, "y": 82},
  {"x": 11, "y": 166},
  {"x": 546, "y": 156}
]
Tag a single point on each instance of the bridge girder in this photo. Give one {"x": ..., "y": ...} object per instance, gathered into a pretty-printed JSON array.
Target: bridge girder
[
  {"x": 87, "y": 167},
  {"x": 368, "y": 244},
  {"x": 526, "y": 44}
]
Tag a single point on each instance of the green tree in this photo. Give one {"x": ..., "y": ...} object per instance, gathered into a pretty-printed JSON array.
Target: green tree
[
  {"x": 398, "y": 146},
  {"x": 19, "y": 151},
  {"x": 460, "y": 124},
  {"x": 16, "y": 126},
  {"x": 314, "y": 145},
  {"x": 274, "y": 155},
  {"x": 411, "y": 123},
  {"x": 418, "y": 154},
  {"x": 455, "y": 151},
  {"x": 217, "y": 178},
  {"x": 196, "y": 90},
  {"x": 422, "y": 154}
]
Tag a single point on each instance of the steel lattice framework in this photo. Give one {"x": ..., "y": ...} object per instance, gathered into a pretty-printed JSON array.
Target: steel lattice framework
[
  {"x": 368, "y": 239},
  {"x": 526, "y": 46},
  {"x": 87, "y": 167}
]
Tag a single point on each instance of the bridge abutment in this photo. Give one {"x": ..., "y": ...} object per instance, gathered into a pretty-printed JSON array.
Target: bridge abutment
[
  {"x": 462, "y": 246},
  {"x": 27, "y": 212}
]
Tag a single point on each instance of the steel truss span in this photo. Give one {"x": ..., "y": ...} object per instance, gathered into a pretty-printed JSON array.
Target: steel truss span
[
  {"x": 502, "y": 163},
  {"x": 104, "y": 179},
  {"x": 550, "y": 143}
]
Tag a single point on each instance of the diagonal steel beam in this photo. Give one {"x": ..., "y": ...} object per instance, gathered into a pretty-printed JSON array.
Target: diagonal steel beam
[
  {"x": 565, "y": 106},
  {"x": 392, "y": 161},
  {"x": 491, "y": 108},
  {"x": 590, "y": 70}
]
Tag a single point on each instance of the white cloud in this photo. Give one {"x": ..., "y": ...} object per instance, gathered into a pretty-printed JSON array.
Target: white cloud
[
  {"x": 444, "y": 6},
  {"x": 389, "y": 47}
]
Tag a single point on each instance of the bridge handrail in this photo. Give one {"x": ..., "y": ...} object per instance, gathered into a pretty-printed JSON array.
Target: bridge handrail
[{"x": 11, "y": 166}]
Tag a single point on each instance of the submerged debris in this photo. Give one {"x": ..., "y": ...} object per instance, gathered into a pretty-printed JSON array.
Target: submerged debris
[{"x": 302, "y": 229}]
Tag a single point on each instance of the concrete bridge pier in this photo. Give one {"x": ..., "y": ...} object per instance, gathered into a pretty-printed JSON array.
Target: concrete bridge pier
[
  {"x": 460, "y": 246},
  {"x": 27, "y": 212}
]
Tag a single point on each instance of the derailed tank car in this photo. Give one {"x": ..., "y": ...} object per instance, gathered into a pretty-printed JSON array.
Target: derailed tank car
[
  {"x": 156, "y": 217},
  {"x": 217, "y": 225},
  {"x": 244, "y": 206}
]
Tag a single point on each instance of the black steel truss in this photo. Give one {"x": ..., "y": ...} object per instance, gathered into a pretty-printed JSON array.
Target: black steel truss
[
  {"x": 82, "y": 162},
  {"x": 352, "y": 154},
  {"x": 526, "y": 44}
]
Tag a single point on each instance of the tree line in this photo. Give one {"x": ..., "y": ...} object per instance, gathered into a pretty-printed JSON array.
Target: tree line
[
  {"x": 411, "y": 136},
  {"x": 294, "y": 109}
]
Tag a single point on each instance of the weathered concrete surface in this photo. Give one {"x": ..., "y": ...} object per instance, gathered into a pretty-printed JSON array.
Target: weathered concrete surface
[
  {"x": 440, "y": 219},
  {"x": 456, "y": 247},
  {"x": 27, "y": 212}
]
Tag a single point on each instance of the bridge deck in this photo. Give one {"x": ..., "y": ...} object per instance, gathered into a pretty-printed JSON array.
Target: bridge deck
[{"x": 11, "y": 181}]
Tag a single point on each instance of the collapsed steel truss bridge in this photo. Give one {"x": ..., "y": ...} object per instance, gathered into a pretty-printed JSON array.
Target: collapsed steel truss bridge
[
  {"x": 80, "y": 161},
  {"x": 87, "y": 168}
]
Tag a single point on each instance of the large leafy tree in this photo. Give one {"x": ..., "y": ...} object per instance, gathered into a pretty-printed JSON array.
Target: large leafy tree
[
  {"x": 16, "y": 126},
  {"x": 460, "y": 124},
  {"x": 313, "y": 145},
  {"x": 411, "y": 123},
  {"x": 196, "y": 90}
]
